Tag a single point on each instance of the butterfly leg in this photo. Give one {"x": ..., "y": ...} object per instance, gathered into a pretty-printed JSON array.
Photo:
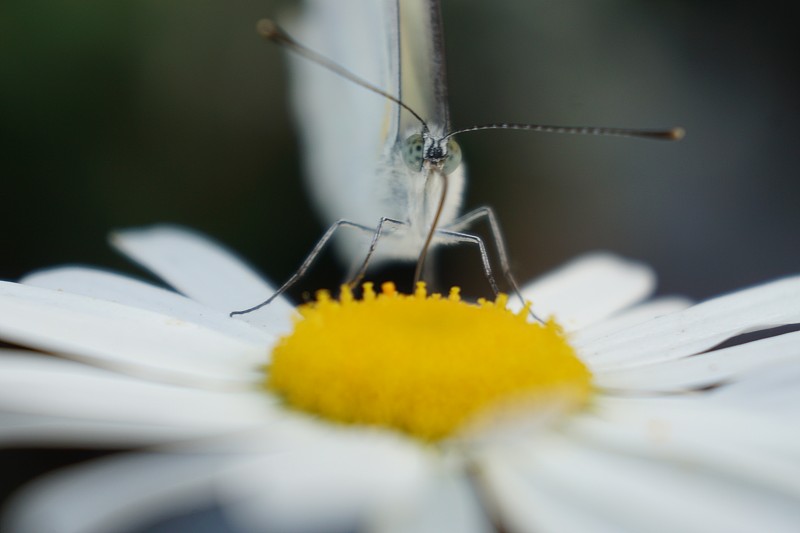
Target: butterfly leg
[
  {"x": 457, "y": 236},
  {"x": 470, "y": 219},
  {"x": 309, "y": 260},
  {"x": 359, "y": 275}
]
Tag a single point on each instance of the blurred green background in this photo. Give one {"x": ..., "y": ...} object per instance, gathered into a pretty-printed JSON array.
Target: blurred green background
[{"x": 125, "y": 113}]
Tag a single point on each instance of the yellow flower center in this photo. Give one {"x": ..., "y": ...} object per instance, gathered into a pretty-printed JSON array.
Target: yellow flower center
[{"x": 421, "y": 364}]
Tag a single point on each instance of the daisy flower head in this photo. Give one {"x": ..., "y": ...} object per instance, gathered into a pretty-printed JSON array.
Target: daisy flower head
[{"x": 386, "y": 412}]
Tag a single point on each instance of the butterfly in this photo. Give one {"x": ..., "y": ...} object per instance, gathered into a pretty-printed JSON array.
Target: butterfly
[
  {"x": 366, "y": 153},
  {"x": 381, "y": 158}
]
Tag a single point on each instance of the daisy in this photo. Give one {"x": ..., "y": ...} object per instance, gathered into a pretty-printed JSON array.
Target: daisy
[{"x": 619, "y": 414}]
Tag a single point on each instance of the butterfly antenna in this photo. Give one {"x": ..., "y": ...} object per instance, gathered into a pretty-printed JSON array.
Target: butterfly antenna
[
  {"x": 674, "y": 134},
  {"x": 268, "y": 29}
]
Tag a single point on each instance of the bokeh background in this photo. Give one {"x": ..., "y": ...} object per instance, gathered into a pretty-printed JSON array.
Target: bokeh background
[{"x": 132, "y": 112}]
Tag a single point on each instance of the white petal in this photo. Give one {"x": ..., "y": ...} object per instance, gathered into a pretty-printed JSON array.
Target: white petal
[
  {"x": 43, "y": 385},
  {"x": 204, "y": 271},
  {"x": 589, "y": 289},
  {"x": 117, "y": 493},
  {"x": 703, "y": 369},
  {"x": 739, "y": 444},
  {"x": 131, "y": 490},
  {"x": 628, "y": 318},
  {"x": 526, "y": 506},
  {"x": 18, "y": 430},
  {"x": 116, "y": 288},
  {"x": 771, "y": 391},
  {"x": 331, "y": 477},
  {"x": 330, "y": 483},
  {"x": 446, "y": 503},
  {"x": 698, "y": 328},
  {"x": 129, "y": 339},
  {"x": 637, "y": 493}
]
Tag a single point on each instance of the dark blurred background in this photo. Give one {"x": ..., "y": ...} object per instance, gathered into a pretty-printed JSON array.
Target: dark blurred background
[{"x": 126, "y": 113}]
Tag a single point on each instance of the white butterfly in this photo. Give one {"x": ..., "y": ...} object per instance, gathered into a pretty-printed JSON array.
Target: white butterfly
[
  {"x": 376, "y": 131},
  {"x": 356, "y": 142}
]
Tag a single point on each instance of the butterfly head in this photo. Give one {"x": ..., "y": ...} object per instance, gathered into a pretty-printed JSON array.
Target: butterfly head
[{"x": 423, "y": 149}]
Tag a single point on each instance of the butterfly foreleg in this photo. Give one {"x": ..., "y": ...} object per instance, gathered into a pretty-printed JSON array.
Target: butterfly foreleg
[
  {"x": 469, "y": 219},
  {"x": 457, "y": 236},
  {"x": 378, "y": 232},
  {"x": 311, "y": 259}
]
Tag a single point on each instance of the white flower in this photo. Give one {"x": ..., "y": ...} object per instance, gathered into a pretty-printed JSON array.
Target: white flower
[{"x": 678, "y": 436}]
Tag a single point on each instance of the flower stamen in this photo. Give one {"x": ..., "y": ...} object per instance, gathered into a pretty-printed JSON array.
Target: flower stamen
[{"x": 422, "y": 364}]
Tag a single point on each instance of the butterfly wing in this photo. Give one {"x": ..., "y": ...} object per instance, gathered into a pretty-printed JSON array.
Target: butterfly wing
[
  {"x": 343, "y": 128},
  {"x": 424, "y": 77},
  {"x": 350, "y": 135}
]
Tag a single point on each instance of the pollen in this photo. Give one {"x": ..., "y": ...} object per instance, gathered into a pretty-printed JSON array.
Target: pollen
[{"x": 422, "y": 364}]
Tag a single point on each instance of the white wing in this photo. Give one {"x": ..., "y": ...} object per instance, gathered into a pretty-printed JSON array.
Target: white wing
[{"x": 350, "y": 135}]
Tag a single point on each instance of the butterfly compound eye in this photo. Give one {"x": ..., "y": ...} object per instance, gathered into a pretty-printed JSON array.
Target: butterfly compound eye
[
  {"x": 414, "y": 152},
  {"x": 453, "y": 158}
]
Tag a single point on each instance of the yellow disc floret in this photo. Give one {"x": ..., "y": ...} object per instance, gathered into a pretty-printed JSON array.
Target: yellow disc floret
[{"x": 422, "y": 364}]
